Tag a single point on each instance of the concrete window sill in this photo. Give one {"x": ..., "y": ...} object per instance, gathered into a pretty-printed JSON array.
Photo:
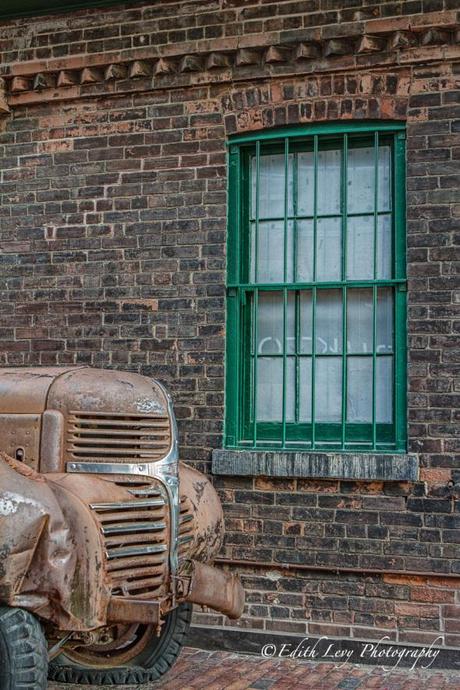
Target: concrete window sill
[{"x": 354, "y": 466}]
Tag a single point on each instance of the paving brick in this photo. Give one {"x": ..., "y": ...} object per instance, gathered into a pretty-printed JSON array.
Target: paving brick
[
  {"x": 226, "y": 671},
  {"x": 113, "y": 248}
]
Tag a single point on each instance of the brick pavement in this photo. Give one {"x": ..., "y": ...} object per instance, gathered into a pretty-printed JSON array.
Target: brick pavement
[{"x": 199, "y": 670}]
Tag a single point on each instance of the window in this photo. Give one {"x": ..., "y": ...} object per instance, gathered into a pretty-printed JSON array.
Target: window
[{"x": 316, "y": 290}]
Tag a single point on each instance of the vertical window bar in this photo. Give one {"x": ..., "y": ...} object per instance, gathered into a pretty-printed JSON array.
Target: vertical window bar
[
  {"x": 286, "y": 186},
  {"x": 313, "y": 296},
  {"x": 256, "y": 238},
  {"x": 297, "y": 358},
  {"x": 285, "y": 237},
  {"x": 374, "y": 366},
  {"x": 255, "y": 362},
  {"x": 296, "y": 293},
  {"x": 294, "y": 212},
  {"x": 374, "y": 292},
  {"x": 256, "y": 295},
  {"x": 313, "y": 372},
  {"x": 283, "y": 431},
  {"x": 344, "y": 366},
  {"x": 285, "y": 229},
  {"x": 344, "y": 289},
  {"x": 376, "y": 198},
  {"x": 315, "y": 200},
  {"x": 239, "y": 378},
  {"x": 400, "y": 305}
]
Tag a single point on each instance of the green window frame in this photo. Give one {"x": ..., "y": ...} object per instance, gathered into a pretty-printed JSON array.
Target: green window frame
[{"x": 357, "y": 420}]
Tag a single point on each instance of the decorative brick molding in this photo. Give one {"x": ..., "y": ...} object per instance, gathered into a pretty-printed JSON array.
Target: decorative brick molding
[
  {"x": 366, "y": 45},
  {"x": 379, "y": 95}
]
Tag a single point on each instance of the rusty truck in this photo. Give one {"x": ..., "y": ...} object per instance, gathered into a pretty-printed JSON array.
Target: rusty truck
[{"x": 106, "y": 537}]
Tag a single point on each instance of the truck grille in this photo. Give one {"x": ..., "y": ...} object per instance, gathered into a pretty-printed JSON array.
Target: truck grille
[
  {"x": 112, "y": 437},
  {"x": 135, "y": 534}
]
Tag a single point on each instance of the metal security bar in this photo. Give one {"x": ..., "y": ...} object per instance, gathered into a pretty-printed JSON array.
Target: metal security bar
[{"x": 316, "y": 291}]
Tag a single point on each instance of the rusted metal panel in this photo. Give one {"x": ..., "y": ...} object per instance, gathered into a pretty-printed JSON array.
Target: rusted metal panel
[
  {"x": 24, "y": 390},
  {"x": 127, "y": 610},
  {"x": 52, "y": 442},
  {"x": 103, "y": 391},
  {"x": 208, "y": 520},
  {"x": 20, "y": 437},
  {"x": 215, "y": 588},
  {"x": 51, "y": 551}
]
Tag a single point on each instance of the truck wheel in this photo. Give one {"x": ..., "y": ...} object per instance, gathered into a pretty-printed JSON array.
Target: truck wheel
[
  {"x": 137, "y": 655},
  {"x": 23, "y": 651}
]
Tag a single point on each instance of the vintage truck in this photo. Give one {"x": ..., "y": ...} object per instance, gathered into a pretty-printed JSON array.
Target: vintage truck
[{"x": 106, "y": 538}]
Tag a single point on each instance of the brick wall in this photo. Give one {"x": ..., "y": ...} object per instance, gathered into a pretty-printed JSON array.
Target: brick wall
[{"x": 113, "y": 207}]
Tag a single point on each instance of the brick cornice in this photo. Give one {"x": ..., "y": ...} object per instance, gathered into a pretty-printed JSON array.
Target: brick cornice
[{"x": 400, "y": 41}]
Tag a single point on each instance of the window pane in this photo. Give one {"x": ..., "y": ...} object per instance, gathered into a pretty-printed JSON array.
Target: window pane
[
  {"x": 359, "y": 321},
  {"x": 384, "y": 390},
  {"x": 271, "y": 186},
  {"x": 384, "y": 182},
  {"x": 270, "y": 323},
  {"x": 359, "y": 389},
  {"x": 384, "y": 320},
  {"x": 304, "y": 251},
  {"x": 270, "y": 252},
  {"x": 328, "y": 249},
  {"x": 290, "y": 323},
  {"x": 361, "y": 180},
  {"x": 328, "y": 389},
  {"x": 328, "y": 322},
  {"x": 360, "y": 248},
  {"x": 305, "y": 389},
  {"x": 384, "y": 247},
  {"x": 290, "y": 389},
  {"x": 305, "y": 183},
  {"x": 269, "y": 389},
  {"x": 305, "y": 328},
  {"x": 328, "y": 195}
]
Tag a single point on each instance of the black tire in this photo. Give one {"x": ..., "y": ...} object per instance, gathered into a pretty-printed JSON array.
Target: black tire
[
  {"x": 157, "y": 658},
  {"x": 23, "y": 651}
]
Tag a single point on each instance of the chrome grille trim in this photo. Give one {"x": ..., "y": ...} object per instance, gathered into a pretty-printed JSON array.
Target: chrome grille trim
[
  {"x": 185, "y": 540},
  {"x": 127, "y": 505},
  {"x": 126, "y": 552},
  {"x": 126, "y": 528},
  {"x": 144, "y": 492}
]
